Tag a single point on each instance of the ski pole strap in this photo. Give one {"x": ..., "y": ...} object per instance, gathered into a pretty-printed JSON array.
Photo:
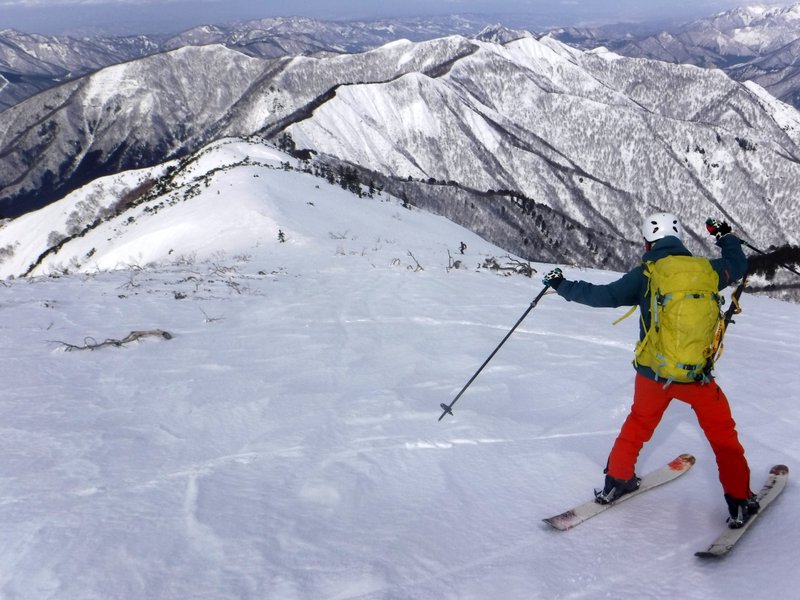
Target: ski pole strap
[{"x": 735, "y": 307}]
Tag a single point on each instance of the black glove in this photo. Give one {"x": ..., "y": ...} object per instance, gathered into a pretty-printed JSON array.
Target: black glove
[
  {"x": 554, "y": 278},
  {"x": 717, "y": 228}
]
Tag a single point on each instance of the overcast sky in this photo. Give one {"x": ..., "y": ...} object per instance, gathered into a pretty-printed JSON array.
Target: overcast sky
[{"x": 158, "y": 16}]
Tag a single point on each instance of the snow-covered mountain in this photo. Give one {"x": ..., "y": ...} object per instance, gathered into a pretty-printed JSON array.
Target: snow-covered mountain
[
  {"x": 753, "y": 43},
  {"x": 284, "y": 36},
  {"x": 31, "y": 63},
  {"x": 556, "y": 144},
  {"x": 283, "y": 443},
  {"x": 594, "y": 137},
  {"x": 124, "y": 116},
  {"x": 143, "y": 112},
  {"x": 114, "y": 222},
  {"x": 761, "y": 36}
]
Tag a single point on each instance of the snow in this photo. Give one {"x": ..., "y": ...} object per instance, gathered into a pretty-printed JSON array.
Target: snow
[
  {"x": 111, "y": 82},
  {"x": 284, "y": 443},
  {"x": 605, "y": 53},
  {"x": 784, "y": 114}
]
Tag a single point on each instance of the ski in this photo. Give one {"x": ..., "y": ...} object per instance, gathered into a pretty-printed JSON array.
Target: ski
[
  {"x": 579, "y": 514},
  {"x": 773, "y": 486}
]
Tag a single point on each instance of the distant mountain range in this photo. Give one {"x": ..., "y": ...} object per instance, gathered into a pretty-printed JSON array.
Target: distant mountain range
[
  {"x": 757, "y": 43},
  {"x": 31, "y": 63},
  {"x": 549, "y": 151}
]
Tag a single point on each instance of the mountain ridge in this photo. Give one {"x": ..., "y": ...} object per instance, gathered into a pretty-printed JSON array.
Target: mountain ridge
[
  {"x": 31, "y": 63},
  {"x": 764, "y": 36},
  {"x": 554, "y": 136}
]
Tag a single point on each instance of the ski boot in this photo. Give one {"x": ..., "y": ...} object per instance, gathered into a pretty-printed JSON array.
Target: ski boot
[
  {"x": 614, "y": 488},
  {"x": 740, "y": 510}
]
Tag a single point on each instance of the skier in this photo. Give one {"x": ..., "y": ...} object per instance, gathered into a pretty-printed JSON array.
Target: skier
[{"x": 652, "y": 394}]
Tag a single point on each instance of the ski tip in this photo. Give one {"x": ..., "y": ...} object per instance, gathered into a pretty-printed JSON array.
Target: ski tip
[
  {"x": 779, "y": 470},
  {"x": 561, "y": 522},
  {"x": 707, "y": 554},
  {"x": 683, "y": 462}
]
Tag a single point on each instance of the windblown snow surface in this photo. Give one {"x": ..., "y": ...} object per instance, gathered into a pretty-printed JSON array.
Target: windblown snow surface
[{"x": 284, "y": 443}]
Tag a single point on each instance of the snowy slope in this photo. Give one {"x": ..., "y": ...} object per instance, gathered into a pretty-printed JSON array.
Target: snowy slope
[
  {"x": 284, "y": 444},
  {"x": 216, "y": 202}
]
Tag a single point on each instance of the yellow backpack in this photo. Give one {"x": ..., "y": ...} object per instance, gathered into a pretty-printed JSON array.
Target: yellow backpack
[{"x": 685, "y": 319}]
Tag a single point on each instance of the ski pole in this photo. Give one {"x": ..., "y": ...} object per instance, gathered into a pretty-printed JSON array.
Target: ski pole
[
  {"x": 447, "y": 409},
  {"x": 795, "y": 271}
]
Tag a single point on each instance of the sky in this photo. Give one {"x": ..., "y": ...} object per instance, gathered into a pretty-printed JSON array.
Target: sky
[
  {"x": 169, "y": 16},
  {"x": 284, "y": 444}
]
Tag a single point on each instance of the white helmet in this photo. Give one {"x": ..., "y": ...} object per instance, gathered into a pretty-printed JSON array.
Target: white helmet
[{"x": 661, "y": 224}]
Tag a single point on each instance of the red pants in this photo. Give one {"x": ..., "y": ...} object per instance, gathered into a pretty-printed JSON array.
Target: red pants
[{"x": 650, "y": 400}]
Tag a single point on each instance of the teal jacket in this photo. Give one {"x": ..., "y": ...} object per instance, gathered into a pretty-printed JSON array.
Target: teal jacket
[{"x": 631, "y": 288}]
